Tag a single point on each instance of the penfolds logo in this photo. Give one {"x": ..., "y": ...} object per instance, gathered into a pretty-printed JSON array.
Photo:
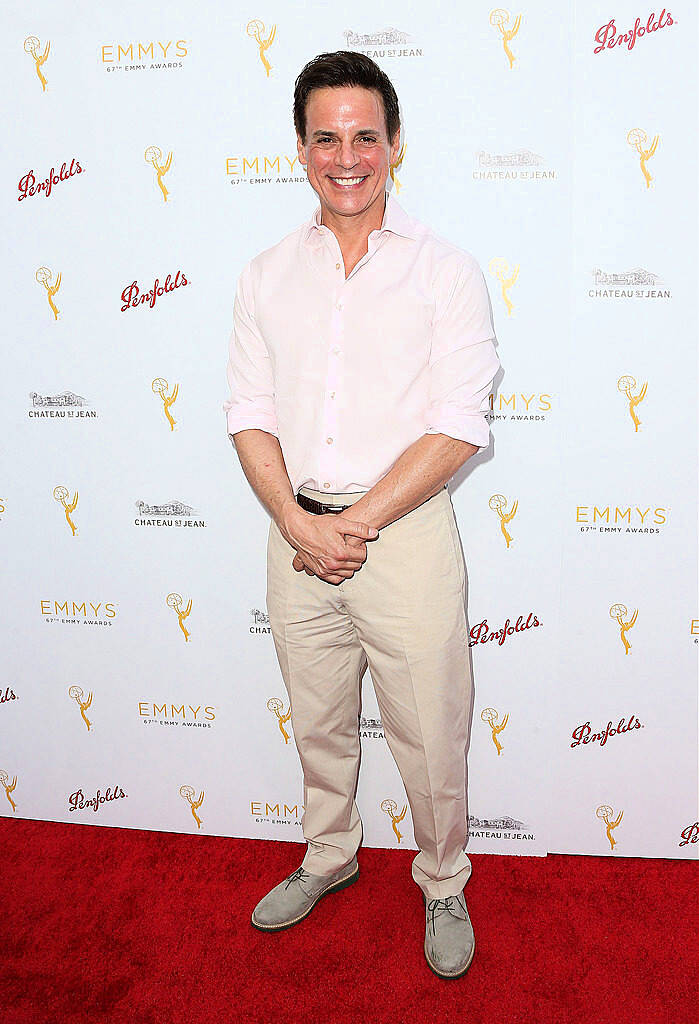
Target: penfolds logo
[
  {"x": 608, "y": 37},
  {"x": 584, "y": 734},
  {"x": 132, "y": 295},
  {"x": 8, "y": 694},
  {"x": 29, "y": 186},
  {"x": 690, "y": 834},
  {"x": 483, "y": 634},
  {"x": 77, "y": 800}
]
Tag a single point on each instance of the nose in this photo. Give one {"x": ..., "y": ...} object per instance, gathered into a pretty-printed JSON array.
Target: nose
[{"x": 346, "y": 157}]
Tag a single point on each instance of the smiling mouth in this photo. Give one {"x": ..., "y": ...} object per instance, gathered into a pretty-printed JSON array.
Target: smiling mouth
[{"x": 348, "y": 182}]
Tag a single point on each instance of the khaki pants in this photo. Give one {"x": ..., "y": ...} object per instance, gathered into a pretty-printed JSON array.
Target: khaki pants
[{"x": 403, "y": 613}]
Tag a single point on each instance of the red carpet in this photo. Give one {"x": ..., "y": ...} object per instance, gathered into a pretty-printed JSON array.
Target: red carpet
[{"x": 104, "y": 925}]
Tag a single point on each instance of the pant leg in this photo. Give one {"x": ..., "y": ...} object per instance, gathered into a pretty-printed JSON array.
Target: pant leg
[
  {"x": 322, "y": 663},
  {"x": 407, "y": 604}
]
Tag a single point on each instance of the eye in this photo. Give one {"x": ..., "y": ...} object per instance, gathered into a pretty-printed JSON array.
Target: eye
[{"x": 368, "y": 138}]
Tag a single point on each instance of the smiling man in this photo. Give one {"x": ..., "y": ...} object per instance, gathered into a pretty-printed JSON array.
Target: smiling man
[{"x": 361, "y": 360}]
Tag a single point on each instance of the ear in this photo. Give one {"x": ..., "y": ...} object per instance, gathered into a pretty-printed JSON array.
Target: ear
[
  {"x": 301, "y": 150},
  {"x": 395, "y": 145}
]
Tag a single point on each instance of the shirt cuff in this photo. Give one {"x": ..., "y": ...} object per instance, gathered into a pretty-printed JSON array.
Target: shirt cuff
[
  {"x": 237, "y": 419},
  {"x": 471, "y": 427}
]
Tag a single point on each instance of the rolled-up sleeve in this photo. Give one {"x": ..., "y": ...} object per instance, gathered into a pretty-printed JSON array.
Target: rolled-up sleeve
[
  {"x": 463, "y": 360},
  {"x": 250, "y": 377}
]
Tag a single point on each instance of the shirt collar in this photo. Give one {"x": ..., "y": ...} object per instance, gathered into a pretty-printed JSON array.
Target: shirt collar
[{"x": 395, "y": 220}]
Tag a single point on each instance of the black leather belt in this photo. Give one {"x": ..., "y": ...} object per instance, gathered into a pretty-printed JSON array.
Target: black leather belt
[{"x": 317, "y": 507}]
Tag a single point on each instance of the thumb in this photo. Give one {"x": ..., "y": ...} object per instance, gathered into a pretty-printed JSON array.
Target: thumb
[
  {"x": 362, "y": 530},
  {"x": 297, "y": 562}
]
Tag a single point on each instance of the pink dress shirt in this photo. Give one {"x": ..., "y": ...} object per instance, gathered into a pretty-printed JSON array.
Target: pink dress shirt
[{"x": 348, "y": 373}]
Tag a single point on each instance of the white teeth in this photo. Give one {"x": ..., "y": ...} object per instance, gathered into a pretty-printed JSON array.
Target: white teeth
[{"x": 348, "y": 181}]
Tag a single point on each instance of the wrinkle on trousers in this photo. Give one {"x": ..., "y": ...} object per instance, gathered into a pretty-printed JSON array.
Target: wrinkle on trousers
[{"x": 403, "y": 614}]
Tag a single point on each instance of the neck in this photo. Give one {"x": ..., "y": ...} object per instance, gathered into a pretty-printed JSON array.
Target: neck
[{"x": 353, "y": 232}]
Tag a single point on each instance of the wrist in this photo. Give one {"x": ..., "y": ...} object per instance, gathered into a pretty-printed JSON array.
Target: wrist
[{"x": 289, "y": 514}]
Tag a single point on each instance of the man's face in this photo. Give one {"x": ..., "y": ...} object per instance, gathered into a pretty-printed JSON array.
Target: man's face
[{"x": 347, "y": 153}]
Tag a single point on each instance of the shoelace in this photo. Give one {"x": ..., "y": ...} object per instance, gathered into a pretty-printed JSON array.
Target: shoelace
[
  {"x": 298, "y": 875},
  {"x": 437, "y": 907}
]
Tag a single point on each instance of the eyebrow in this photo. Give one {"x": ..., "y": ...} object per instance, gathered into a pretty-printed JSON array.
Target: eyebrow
[{"x": 362, "y": 131}]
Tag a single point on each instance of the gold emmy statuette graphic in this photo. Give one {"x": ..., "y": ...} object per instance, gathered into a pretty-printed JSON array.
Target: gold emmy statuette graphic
[
  {"x": 43, "y": 276},
  {"x": 498, "y": 503},
  {"x": 500, "y": 268},
  {"x": 618, "y": 611},
  {"x": 390, "y": 807},
  {"x": 187, "y": 793},
  {"x": 8, "y": 786},
  {"x": 275, "y": 705},
  {"x": 490, "y": 716},
  {"x": 636, "y": 138},
  {"x": 77, "y": 695},
  {"x": 60, "y": 493},
  {"x": 175, "y": 601},
  {"x": 31, "y": 45},
  {"x": 498, "y": 19},
  {"x": 256, "y": 30},
  {"x": 159, "y": 387},
  {"x": 604, "y": 813},
  {"x": 154, "y": 155},
  {"x": 394, "y": 166},
  {"x": 626, "y": 384}
]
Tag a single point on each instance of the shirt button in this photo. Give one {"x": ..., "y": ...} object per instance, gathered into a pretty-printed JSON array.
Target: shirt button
[
  {"x": 329, "y": 440},
  {"x": 336, "y": 351},
  {"x": 337, "y": 266},
  {"x": 326, "y": 484},
  {"x": 332, "y": 394},
  {"x": 339, "y": 305}
]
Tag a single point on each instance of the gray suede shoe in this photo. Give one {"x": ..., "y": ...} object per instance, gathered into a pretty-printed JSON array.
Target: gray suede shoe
[
  {"x": 449, "y": 940},
  {"x": 295, "y": 897}
]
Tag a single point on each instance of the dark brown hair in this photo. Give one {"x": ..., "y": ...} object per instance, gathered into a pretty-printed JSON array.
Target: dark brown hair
[{"x": 344, "y": 67}]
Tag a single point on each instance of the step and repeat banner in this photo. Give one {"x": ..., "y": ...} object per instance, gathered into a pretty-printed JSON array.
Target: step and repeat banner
[{"x": 149, "y": 153}]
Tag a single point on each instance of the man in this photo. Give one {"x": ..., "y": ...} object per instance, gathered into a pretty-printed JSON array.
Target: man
[{"x": 361, "y": 361}]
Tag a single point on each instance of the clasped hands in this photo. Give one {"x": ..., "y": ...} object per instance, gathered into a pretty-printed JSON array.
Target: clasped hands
[{"x": 329, "y": 546}]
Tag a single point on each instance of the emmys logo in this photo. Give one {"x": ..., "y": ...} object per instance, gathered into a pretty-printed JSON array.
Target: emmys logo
[
  {"x": 498, "y": 503},
  {"x": 620, "y": 518},
  {"x": 43, "y": 276},
  {"x": 276, "y": 814},
  {"x": 188, "y": 793},
  {"x": 154, "y": 156},
  {"x": 499, "y": 19},
  {"x": 78, "y": 802},
  {"x": 490, "y": 716},
  {"x": 160, "y": 387},
  {"x": 184, "y": 715},
  {"x": 690, "y": 834},
  {"x": 28, "y": 185},
  {"x": 61, "y": 495},
  {"x": 9, "y": 693},
  {"x": 76, "y": 693},
  {"x": 174, "y": 601},
  {"x": 32, "y": 47},
  {"x": 518, "y": 165},
  {"x": 482, "y": 634},
  {"x": 260, "y": 622},
  {"x": 390, "y": 807},
  {"x": 626, "y": 386},
  {"x": 387, "y": 42},
  {"x": 256, "y": 30},
  {"x": 519, "y": 407},
  {"x": 584, "y": 734},
  {"x": 263, "y": 170},
  {"x": 607, "y": 37},
  {"x": 394, "y": 166},
  {"x": 170, "y": 513},
  {"x": 65, "y": 405},
  {"x": 131, "y": 295},
  {"x": 276, "y": 706},
  {"x": 76, "y": 612},
  {"x": 500, "y": 268},
  {"x": 9, "y": 787},
  {"x": 605, "y": 814},
  {"x": 620, "y": 612},
  {"x": 629, "y": 284},
  {"x": 637, "y": 139},
  {"x": 161, "y": 56}
]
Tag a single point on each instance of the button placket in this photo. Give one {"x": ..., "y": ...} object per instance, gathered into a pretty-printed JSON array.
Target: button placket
[{"x": 329, "y": 424}]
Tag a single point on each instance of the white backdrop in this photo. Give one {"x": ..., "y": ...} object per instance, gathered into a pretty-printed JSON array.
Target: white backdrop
[{"x": 186, "y": 153}]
